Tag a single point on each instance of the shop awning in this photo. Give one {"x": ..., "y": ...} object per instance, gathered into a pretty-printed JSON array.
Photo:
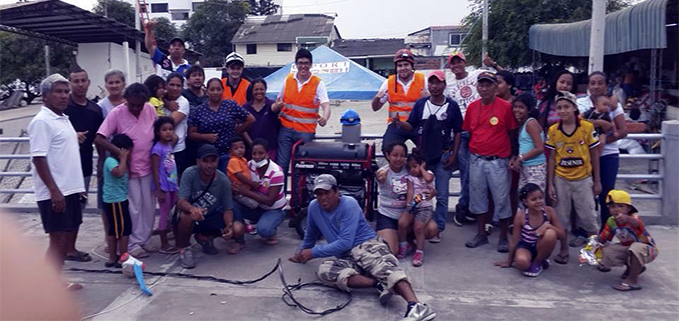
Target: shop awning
[{"x": 642, "y": 26}]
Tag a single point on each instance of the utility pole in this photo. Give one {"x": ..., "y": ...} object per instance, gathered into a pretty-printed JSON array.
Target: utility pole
[
  {"x": 137, "y": 25},
  {"x": 484, "y": 35},
  {"x": 597, "y": 36}
]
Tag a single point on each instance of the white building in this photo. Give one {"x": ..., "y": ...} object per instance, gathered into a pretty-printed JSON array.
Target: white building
[
  {"x": 273, "y": 40},
  {"x": 177, "y": 11}
]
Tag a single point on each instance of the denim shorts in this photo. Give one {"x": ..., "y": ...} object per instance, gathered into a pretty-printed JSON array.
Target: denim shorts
[
  {"x": 383, "y": 222},
  {"x": 493, "y": 175}
]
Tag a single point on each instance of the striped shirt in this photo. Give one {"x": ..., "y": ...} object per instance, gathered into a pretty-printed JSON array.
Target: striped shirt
[
  {"x": 273, "y": 176},
  {"x": 528, "y": 234}
]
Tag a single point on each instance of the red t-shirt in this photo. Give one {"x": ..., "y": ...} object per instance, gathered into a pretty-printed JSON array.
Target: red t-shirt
[{"x": 489, "y": 127}]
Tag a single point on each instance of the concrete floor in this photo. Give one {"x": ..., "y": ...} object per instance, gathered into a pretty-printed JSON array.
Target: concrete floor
[{"x": 460, "y": 283}]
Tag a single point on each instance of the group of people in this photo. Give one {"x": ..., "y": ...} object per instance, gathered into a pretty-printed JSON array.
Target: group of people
[{"x": 219, "y": 155}]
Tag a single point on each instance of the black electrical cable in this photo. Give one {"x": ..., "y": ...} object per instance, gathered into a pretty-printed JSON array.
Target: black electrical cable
[{"x": 287, "y": 289}]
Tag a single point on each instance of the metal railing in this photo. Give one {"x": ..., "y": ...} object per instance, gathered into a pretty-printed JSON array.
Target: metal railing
[{"x": 453, "y": 193}]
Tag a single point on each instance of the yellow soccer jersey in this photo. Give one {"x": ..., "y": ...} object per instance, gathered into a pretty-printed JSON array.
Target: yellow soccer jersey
[{"x": 572, "y": 157}]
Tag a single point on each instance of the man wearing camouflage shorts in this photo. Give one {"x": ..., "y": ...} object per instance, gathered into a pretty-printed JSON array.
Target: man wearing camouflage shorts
[{"x": 361, "y": 259}]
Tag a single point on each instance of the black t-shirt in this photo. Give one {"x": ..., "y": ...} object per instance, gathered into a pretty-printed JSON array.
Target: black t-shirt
[
  {"x": 194, "y": 100},
  {"x": 449, "y": 116},
  {"x": 85, "y": 118}
]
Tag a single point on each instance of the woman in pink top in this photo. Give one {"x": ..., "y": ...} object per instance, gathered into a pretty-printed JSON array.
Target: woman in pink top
[{"x": 135, "y": 119}]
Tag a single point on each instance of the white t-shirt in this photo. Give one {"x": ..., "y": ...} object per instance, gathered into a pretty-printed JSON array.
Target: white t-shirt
[
  {"x": 181, "y": 129},
  {"x": 321, "y": 90},
  {"x": 52, "y": 136},
  {"x": 463, "y": 91},
  {"x": 584, "y": 104},
  {"x": 106, "y": 106}
]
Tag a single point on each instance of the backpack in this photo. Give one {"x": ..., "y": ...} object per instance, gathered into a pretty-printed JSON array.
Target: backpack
[{"x": 431, "y": 141}]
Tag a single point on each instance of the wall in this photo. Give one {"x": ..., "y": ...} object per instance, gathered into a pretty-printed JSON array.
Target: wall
[
  {"x": 267, "y": 55},
  {"x": 98, "y": 58}
]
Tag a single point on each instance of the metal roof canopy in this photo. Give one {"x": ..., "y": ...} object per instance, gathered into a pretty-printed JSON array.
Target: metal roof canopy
[
  {"x": 642, "y": 26},
  {"x": 61, "y": 22}
]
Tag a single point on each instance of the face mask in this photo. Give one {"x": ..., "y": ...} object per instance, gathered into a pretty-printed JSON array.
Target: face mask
[{"x": 261, "y": 163}]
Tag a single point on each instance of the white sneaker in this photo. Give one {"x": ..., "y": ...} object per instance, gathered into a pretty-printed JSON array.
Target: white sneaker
[{"x": 420, "y": 312}]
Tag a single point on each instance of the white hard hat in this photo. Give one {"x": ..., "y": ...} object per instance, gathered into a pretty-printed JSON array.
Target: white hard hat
[{"x": 234, "y": 57}]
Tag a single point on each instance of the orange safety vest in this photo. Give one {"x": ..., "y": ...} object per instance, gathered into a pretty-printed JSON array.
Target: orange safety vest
[
  {"x": 400, "y": 102},
  {"x": 241, "y": 95},
  {"x": 301, "y": 110}
]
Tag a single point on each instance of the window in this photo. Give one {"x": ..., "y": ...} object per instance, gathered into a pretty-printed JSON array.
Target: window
[
  {"x": 284, "y": 47},
  {"x": 180, "y": 16},
  {"x": 251, "y": 49},
  {"x": 455, "y": 39},
  {"x": 196, "y": 5},
  {"x": 159, "y": 7}
]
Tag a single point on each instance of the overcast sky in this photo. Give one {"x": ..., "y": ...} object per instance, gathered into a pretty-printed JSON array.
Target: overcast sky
[{"x": 368, "y": 18}]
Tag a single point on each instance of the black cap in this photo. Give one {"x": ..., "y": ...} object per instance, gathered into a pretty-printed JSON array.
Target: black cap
[
  {"x": 207, "y": 150},
  {"x": 178, "y": 39}
]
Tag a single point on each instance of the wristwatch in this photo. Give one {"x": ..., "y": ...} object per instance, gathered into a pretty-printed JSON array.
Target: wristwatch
[{"x": 521, "y": 157}]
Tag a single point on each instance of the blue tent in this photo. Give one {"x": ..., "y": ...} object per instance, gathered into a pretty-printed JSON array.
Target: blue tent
[{"x": 343, "y": 78}]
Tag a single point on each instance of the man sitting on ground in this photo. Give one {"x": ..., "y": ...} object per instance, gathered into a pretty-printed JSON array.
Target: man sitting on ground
[
  {"x": 362, "y": 260},
  {"x": 206, "y": 207}
]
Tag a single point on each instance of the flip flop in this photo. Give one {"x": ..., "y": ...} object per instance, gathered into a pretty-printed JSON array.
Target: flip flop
[
  {"x": 626, "y": 273},
  {"x": 79, "y": 257},
  {"x": 626, "y": 287},
  {"x": 170, "y": 250},
  {"x": 561, "y": 259},
  {"x": 603, "y": 269},
  {"x": 235, "y": 248},
  {"x": 73, "y": 287}
]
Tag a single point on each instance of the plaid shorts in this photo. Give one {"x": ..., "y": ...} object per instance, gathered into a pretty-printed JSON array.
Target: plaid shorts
[
  {"x": 423, "y": 214},
  {"x": 371, "y": 258}
]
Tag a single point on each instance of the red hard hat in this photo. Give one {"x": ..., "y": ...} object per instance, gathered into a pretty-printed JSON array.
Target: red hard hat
[{"x": 404, "y": 55}]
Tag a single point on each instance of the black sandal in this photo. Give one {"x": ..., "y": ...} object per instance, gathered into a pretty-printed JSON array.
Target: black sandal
[
  {"x": 561, "y": 259},
  {"x": 79, "y": 257}
]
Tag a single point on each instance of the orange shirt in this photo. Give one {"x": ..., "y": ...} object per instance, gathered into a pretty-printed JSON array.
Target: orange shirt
[
  {"x": 241, "y": 95},
  {"x": 237, "y": 165}
]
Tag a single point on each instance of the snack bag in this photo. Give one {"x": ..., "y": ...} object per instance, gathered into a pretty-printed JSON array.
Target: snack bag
[{"x": 591, "y": 253}]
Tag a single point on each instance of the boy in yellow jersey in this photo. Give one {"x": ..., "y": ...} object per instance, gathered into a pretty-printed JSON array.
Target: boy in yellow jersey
[{"x": 573, "y": 168}]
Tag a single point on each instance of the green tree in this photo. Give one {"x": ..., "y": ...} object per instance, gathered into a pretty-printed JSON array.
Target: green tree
[
  {"x": 117, "y": 10},
  {"x": 262, "y": 7},
  {"x": 165, "y": 29},
  {"x": 23, "y": 57},
  {"x": 508, "y": 24},
  {"x": 211, "y": 28}
]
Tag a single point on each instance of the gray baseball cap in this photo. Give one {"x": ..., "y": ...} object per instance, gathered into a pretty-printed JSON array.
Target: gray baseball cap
[{"x": 325, "y": 182}]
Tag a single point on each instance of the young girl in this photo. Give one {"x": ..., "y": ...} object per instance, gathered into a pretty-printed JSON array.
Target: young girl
[
  {"x": 419, "y": 206},
  {"x": 531, "y": 162},
  {"x": 392, "y": 186},
  {"x": 573, "y": 168},
  {"x": 536, "y": 229},
  {"x": 164, "y": 177},
  {"x": 156, "y": 86},
  {"x": 115, "y": 203}
]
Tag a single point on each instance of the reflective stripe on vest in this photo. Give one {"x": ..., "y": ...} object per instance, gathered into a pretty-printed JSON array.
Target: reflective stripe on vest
[
  {"x": 301, "y": 109},
  {"x": 400, "y": 102},
  {"x": 241, "y": 95}
]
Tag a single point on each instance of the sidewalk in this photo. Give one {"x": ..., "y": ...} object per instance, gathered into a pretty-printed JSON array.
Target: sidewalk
[{"x": 459, "y": 283}]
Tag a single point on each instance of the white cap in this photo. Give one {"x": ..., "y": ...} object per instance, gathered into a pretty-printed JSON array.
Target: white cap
[{"x": 234, "y": 57}]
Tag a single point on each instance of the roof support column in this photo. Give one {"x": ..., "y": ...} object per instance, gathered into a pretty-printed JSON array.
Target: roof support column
[
  {"x": 596, "y": 37},
  {"x": 137, "y": 47},
  {"x": 126, "y": 55},
  {"x": 48, "y": 70}
]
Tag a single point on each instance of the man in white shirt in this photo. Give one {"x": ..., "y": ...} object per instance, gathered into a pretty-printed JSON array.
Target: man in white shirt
[{"x": 57, "y": 174}]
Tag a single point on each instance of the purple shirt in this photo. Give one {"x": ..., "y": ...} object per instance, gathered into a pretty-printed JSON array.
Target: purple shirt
[
  {"x": 140, "y": 129},
  {"x": 266, "y": 124},
  {"x": 167, "y": 167}
]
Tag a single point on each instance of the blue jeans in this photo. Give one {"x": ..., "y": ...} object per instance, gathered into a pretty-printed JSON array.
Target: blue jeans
[
  {"x": 395, "y": 134},
  {"x": 286, "y": 138},
  {"x": 267, "y": 220},
  {"x": 608, "y": 170},
  {"x": 463, "y": 166},
  {"x": 442, "y": 184}
]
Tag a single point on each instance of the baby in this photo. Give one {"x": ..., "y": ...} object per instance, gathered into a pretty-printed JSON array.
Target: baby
[{"x": 600, "y": 111}]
